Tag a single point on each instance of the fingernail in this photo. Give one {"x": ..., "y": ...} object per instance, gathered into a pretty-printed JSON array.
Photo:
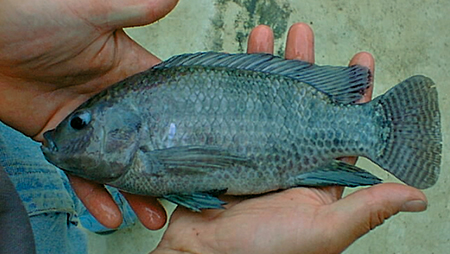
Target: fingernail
[{"x": 414, "y": 206}]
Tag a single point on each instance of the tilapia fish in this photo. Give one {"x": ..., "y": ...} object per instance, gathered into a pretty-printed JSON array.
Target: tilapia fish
[{"x": 207, "y": 123}]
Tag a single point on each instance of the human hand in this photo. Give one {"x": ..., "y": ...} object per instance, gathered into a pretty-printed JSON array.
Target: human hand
[
  {"x": 298, "y": 220},
  {"x": 54, "y": 55}
]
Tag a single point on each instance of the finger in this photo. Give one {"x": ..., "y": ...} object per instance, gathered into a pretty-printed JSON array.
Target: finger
[
  {"x": 260, "y": 40},
  {"x": 118, "y": 14},
  {"x": 135, "y": 58},
  {"x": 367, "y": 60},
  {"x": 362, "y": 211},
  {"x": 98, "y": 201},
  {"x": 335, "y": 191},
  {"x": 300, "y": 43},
  {"x": 149, "y": 211},
  {"x": 349, "y": 160}
]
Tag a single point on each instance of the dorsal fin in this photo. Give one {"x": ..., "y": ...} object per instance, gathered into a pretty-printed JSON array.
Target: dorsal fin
[{"x": 343, "y": 84}]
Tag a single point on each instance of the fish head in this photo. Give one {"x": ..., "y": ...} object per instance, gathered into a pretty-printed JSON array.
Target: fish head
[{"x": 94, "y": 143}]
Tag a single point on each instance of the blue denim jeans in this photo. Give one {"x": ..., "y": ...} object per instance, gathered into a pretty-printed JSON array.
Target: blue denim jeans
[{"x": 52, "y": 206}]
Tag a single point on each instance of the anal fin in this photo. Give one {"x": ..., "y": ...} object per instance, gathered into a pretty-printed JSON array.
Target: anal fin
[
  {"x": 197, "y": 201},
  {"x": 337, "y": 173}
]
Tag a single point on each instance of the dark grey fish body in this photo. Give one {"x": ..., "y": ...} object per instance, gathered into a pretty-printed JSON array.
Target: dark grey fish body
[
  {"x": 191, "y": 128},
  {"x": 281, "y": 129}
]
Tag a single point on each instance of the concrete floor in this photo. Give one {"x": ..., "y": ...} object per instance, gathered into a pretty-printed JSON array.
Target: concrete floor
[{"x": 406, "y": 37}]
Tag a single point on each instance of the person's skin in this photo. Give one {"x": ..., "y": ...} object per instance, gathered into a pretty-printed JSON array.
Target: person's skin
[
  {"x": 298, "y": 220},
  {"x": 54, "y": 55}
]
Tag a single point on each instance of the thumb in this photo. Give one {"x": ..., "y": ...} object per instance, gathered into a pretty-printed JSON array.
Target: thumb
[
  {"x": 363, "y": 210},
  {"x": 117, "y": 14}
]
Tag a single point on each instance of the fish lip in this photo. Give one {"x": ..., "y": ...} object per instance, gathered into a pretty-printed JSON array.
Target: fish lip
[{"x": 49, "y": 145}]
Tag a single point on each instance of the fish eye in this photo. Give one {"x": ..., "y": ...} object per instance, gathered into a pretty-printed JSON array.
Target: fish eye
[{"x": 80, "y": 120}]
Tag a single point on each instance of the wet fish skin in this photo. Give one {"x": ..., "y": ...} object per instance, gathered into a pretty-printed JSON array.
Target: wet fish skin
[
  {"x": 181, "y": 129},
  {"x": 266, "y": 139}
]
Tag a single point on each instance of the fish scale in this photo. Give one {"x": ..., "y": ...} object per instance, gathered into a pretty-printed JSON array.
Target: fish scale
[
  {"x": 269, "y": 128},
  {"x": 202, "y": 124}
]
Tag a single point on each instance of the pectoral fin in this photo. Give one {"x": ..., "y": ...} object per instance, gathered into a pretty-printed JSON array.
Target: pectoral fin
[{"x": 198, "y": 159}]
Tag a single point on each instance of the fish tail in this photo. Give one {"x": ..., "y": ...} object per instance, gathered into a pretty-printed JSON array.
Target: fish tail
[{"x": 410, "y": 139}]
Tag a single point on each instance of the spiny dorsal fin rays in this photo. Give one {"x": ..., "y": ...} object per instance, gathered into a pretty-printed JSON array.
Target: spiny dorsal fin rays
[{"x": 343, "y": 84}]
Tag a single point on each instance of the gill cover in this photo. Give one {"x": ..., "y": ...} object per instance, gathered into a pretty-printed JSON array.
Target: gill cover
[{"x": 96, "y": 143}]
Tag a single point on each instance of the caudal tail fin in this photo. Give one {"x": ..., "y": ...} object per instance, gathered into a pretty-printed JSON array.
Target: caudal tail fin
[{"x": 410, "y": 141}]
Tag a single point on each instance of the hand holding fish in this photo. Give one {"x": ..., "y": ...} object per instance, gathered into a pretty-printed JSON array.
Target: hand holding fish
[
  {"x": 299, "y": 220},
  {"x": 64, "y": 63},
  {"x": 55, "y": 55}
]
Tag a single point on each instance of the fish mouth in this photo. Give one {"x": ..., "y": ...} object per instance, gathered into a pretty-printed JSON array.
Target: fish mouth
[{"x": 49, "y": 145}]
